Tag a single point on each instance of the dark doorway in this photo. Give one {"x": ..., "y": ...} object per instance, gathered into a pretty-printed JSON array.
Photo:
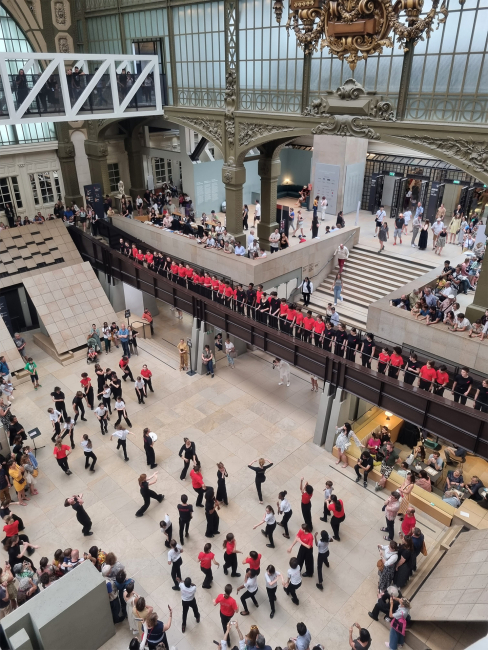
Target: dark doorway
[{"x": 12, "y": 307}]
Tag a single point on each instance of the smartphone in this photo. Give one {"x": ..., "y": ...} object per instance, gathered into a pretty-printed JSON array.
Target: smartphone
[{"x": 217, "y": 643}]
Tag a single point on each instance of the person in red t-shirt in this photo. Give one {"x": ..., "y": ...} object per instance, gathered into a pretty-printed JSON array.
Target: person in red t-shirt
[
  {"x": 336, "y": 508},
  {"x": 62, "y": 452},
  {"x": 174, "y": 271},
  {"x": 307, "y": 493},
  {"x": 134, "y": 252},
  {"x": 383, "y": 359},
  {"x": 427, "y": 375},
  {"x": 149, "y": 257},
  {"x": 396, "y": 362},
  {"x": 299, "y": 323},
  {"x": 283, "y": 310},
  {"x": 146, "y": 374},
  {"x": 215, "y": 288},
  {"x": 221, "y": 291},
  {"x": 206, "y": 557},
  {"x": 229, "y": 294},
  {"x": 254, "y": 561},
  {"x": 409, "y": 522},
  {"x": 87, "y": 389},
  {"x": 305, "y": 553},
  {"x": 228, "y": 606},
  {"x": 318, "y": 330},
  {"x": 124, "y": 366},
  {"x": 290, "y": 318},
  {"x": 441, "y": 381},
  {"x": 308, "y": 325},
  {"x": 140, "y": 256},
  {"x": 198, "y": 484},
  {"x": 182, "y": 275},
  {"x": 189, "y": 273},
  {"x": 230, "y": 555}
]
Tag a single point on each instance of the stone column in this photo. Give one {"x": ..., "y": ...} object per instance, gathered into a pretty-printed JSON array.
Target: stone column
[
  {"x": 136, "y": 166},
  {"x": 97, "y": 154},
  {"x": 269, "y": 169},
  {"x": 66, "y": 155},
  {"x": 234, "y": 178},
  {"x": 480, "y": 301}
]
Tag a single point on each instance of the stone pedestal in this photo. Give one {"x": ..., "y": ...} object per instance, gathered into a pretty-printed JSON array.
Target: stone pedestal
[
  {"x": 338, "y": 165},
  {"x": 234, "y": 178},
  {"x": 97, "y": 154},
  {"x": 269, "y": 169},
  {"x": 136, "y": 167}
]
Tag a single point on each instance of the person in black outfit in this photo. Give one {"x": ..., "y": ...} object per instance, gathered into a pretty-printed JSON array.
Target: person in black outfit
[
  {"x": 76, "y": 502},
  {"x": 188, "y": 453},
  {"x": 462, "y": 385},
  {"x": 315, "y": 226},
  {"x": 250, "y": 300},
  {"x": 260, "y": 474},
  {"x": 412, "y": 368},
  {"x": 383, "y": 604},
  {"x": 366, "y": 463},
  {"x": 78, "y": 406},
  {"x": 221, "y": 487},
  {"x": 185, "y": 511},
  {"x": 240, "y": 299},
  {"x": 149, "y": 449},
  {"x": 15, "y": 429},
  {"x": 58, "y": 399},
  {"x": 100, "y": 373},
  {"x": 167, "y": 530},
  {"x": 353, "y": 343},
  {"x": 116, "y": 385},
  {"x": 274, "y": 310},
  {"x": 329, "y": 334},
  {"x": 211, "y": 514},
  {"x": 147, "y": 494},
  {"x": 481, "y": 397},
  {"x": 367, "y": 350},
  {"x": 340, "y": 340}
]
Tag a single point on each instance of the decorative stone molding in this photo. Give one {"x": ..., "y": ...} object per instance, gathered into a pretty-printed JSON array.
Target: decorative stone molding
[
  {"x": 472, "y": 154},
  {"x": 353, "y": 99},
  {"x": 345, "y": 125},
  {"x": 213, "y": 128},
  {"x": 64, "y": 43},
  {"x": 249, "y": 131},
  {"x": 230, "y": 97}
]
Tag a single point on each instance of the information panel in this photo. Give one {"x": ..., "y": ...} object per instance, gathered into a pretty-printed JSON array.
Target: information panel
[{"x": 327, "y": 184}]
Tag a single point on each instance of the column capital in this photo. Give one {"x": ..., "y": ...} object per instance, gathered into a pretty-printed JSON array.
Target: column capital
[
  {"x": 233, "y": 175},
  {"x": 269, "y": 168}
]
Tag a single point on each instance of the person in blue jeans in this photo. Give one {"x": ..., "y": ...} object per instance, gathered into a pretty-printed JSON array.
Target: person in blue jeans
[
  {"x": 337, "y": 288},
  {"x": 398, "y": 622},
  {"x": 208, "y": 360},
  {"x": 123, "y": 335}
]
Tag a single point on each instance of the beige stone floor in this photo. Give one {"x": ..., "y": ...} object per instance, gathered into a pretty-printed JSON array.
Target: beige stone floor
[{"x": 239, "y": 415}]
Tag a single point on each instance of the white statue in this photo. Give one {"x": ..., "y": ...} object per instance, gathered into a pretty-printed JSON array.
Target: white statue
[{"x": 121, "y": 189}]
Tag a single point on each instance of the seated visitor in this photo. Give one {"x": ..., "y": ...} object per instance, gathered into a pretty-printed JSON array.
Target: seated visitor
[
  {"x": 454, "y": 480},
  {"x": 374, "y": 443},
  {"x": 435, "y": 461},
  {"x": 451, "y": 499},
  {"x": 424, "y": 481},
  {"x": 473, "y": 488}
]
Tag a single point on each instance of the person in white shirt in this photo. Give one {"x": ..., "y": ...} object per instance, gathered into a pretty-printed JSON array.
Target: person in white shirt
[
  {"x": 274, "y": 241},
  {"x": 167, "y": 529},
  {"x": 253, "y": 248},
  {"x": 329, "y": 488},
  {"x": 239, "y": 249},
  {"x": 323, "y": 208},
  {"x": 224, "y": 644},
  {"x": 188, "y": 589},
  {"x": 229, "y": 351},
  {"x": 68, "y": 430},
  {"x": 334, "y": 317},
  {"x": 251, "y": 587},
  {"x": 284, "y": 509},
  {"x": 322, "y": 545},
  {"x": 306, "y": 288},
  {"x": 271, "y": 578},
  {"x": 122, "y": 434},
  {"x": 270, "y": 521},
  {"x": 462, "y": 324},
  {"x": 342, "y": 255},
  {"x": 175, "y": 561},
  {"x": 294, "y": 580},
  {"x": 257, "y": 213},
  {"x": 436, "y": 229},
  {"x": 140, "y": 388},
  {"x": 379, "y": 218},
  {"x": 106, "y": 394},
  {"x": 55, "y": 417},
  {"x": 102, "y": 414},
  {"x": 284, "y": 369},
  {"x": 121, "y": 412},
  {"x": 407, "y": 215},
  {"x": 86, "y": 445}
]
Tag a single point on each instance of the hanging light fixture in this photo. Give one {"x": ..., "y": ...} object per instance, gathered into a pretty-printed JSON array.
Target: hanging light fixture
[{"x": 356, "y": 29}]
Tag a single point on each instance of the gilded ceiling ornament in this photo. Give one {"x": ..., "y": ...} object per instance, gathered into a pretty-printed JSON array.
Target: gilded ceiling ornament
[
  {"x": 472, "y": 154},
  {"x": 249, "y": 131},
  {"x": 345, "y": 125},
  {"x": 213, "y": 128},
  {"x": 356, "y": 29}
]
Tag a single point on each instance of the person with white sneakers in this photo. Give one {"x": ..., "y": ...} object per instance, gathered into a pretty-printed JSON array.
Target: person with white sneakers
[
  {"x": 323, "y": 208},
  {"x": 284, "y": 369}
]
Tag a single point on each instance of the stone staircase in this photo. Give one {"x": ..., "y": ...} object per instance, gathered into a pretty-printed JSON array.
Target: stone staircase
[{"x": 368, "y": 276}]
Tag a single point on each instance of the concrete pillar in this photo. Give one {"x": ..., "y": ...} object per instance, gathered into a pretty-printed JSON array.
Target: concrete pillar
[
  {"x": 480, "y": 301},
  {"x": 269, "y": 169},
  {"x": 150, "y": 302},
  {"x": 335, "y": 417},
  {"x": 25, "y": 306},
  {"x": 206, "y": 336},
  {"x": 338, "y": 165},
  {"x": 234, "y": 179},
  {"x": 133, "y": 147},
  {"x": 97, "y": 154},
  {"x": 66, "y": 156},
  {"x": 195, "y": 335},
  {"x": 323, "y": 415}
]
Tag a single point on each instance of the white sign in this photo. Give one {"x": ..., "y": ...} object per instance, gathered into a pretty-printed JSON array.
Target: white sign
[{"x": 327, "y": 184}]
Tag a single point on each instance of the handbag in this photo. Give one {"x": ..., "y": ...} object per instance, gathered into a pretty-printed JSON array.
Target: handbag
[
  {"x": 35, "y": 473},
  {"x": 423, "y": 550},
  {"x": 380, "y": 564},
  {"x": 233, "y": 353},
  {"x": 399, "y": 625}
]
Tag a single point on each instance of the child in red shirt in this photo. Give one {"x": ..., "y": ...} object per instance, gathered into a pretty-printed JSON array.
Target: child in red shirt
[
  {"x": 441, "y": 380},
  {"x": 396, "y": 362},
  {"x": 427, "y": 375},
  {"x": 383, "y": 359},
  {"x": 254, "y": 561}
]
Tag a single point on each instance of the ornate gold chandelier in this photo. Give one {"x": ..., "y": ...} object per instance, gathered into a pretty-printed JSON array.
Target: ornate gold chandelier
[{"x": 355, "y": 29}]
